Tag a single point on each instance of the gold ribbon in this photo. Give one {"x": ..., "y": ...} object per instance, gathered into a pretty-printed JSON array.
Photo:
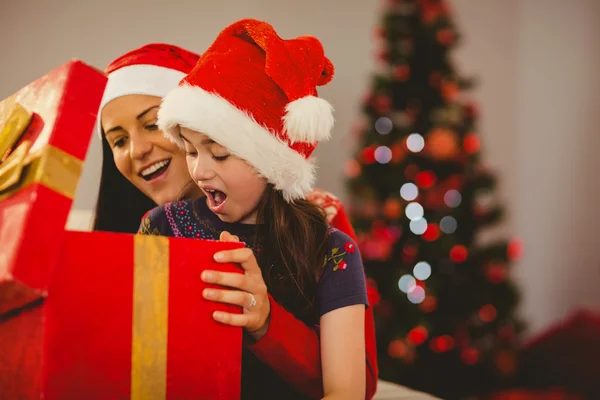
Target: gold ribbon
[
  {"x": 150, "y": 318},
  {"x": 51, "y": 167}
]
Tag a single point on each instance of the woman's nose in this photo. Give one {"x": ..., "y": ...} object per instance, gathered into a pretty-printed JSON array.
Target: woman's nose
[{"x": 139, "y": 145}]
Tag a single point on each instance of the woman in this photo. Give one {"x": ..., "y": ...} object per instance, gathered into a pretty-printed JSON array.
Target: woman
[{"x": 140, "y": 167}]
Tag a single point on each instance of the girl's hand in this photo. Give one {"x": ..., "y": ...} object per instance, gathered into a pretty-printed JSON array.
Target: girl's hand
[{"x": 251, "y": 293}]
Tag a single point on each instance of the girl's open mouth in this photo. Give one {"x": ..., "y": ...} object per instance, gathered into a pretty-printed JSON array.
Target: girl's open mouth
[{"x": 216, "y": 200}]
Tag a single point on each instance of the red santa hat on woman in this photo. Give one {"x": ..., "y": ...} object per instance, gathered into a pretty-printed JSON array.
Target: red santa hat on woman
[
  {"x": 153, "y": 70},
  {"x": 255, "y": 93}
]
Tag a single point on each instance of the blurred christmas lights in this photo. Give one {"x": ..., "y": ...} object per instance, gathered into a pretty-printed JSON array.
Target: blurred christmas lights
[
  {"x": 383, "y": 125},
  {"x": 409, "y": 191},
  {"x": 422, "y": 270},
  {"x": 415, "y": 142}
]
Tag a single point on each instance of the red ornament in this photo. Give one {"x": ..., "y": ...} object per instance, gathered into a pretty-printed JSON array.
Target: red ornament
[
  {"x": 442, "y": 344},
  {"x": 343, "y": 265},
  {"x": 487, "y": 313},
  {"x": 349, "y": 247},
  {"x": 398, "y": 153},
  {"x": 455, "y": 182},
  {"x": 392, "y": 208},
  {"x": 425, "y": 179},
  {"x": 432, "y": 232},
  {"x": 458, "y": 253},
  {"x": 409, "y": 250},
  {"x": 380, "y": 230},
  {"x": 449, "y": 90},
  {"x": 429, "y": 304},
  {"x": 430, "y": 12},
  {"x": 383, "y": 56},
  {"x": 445, "y": 37},
  {"x": 402, "y": 72},
  {"x": 418, "y": 335},
  {"x": 471, "y": 143},
  {"x": 496, "y": 273},
  {"x": 382, "y": 103},
  {"x": 397, "y": 349},
  {"x": 514, "y": 250},
  {"x": 442, "y": 144},
  {"x": 367, "y": 155},
  {"x": 470, "y": 356}
]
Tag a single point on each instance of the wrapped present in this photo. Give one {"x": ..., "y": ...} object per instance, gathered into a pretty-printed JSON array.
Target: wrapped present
[
  {"x": 125, "y": 319},
  {"x": 45, "y": 130}
]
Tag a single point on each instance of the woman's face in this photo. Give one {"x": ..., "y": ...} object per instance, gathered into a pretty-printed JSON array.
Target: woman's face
[{"x": 151, "y": 162}]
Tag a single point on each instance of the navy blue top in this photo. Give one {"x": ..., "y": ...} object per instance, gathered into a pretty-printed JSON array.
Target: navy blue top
[{"x": 342, "y": 281}]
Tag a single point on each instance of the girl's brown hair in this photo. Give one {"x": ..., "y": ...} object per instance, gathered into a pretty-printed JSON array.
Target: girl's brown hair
[{"x": 292, "y": 239}]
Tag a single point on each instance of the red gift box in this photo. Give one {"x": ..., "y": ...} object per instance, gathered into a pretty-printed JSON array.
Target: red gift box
[
  {"x": 125, "y": 319},
  {"x": 45, "y": 129},
  {"x": 95, "y": 314}
]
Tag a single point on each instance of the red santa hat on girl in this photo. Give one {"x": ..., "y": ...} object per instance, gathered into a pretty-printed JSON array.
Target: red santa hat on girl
[
  {"x": 153, "y": 69},
  {"x": 255, "y": 93}
]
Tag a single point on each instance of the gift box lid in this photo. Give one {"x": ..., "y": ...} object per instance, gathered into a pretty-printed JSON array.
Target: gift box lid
[{"x": 45, "y": 130}]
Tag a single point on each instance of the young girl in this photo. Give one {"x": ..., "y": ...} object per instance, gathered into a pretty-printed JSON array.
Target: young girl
[{"x": 249, "y": 118}]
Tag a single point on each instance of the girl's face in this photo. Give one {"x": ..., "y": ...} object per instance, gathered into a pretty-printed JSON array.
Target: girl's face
[
  {"x": 233, "y": 188},
  {"x": 148, "y": 160}
]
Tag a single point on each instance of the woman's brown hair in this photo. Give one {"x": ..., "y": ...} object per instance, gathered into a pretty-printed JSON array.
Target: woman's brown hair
[{"x": 292, "y": 239}]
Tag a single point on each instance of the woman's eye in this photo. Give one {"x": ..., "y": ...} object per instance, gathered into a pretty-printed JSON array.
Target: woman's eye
[
  {"x": 152, "y": 127},
  {"x": 119, "y": 142}
]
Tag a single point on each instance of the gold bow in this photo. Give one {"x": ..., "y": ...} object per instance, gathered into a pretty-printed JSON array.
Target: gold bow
[
  {"x": 51, "y": 166},
  {"x": 11, "y": 130}
]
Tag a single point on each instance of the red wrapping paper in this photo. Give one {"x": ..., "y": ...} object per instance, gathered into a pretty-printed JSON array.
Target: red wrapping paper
[{"x": 89, "y": 323}]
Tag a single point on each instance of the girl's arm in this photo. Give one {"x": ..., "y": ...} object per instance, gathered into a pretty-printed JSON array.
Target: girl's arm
[
  {"x": 343, "y": 353},
  {"x": 293, "y": 349}
]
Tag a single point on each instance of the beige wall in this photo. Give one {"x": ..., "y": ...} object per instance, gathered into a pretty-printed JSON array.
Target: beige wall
[{"x": 539, "y": 96}]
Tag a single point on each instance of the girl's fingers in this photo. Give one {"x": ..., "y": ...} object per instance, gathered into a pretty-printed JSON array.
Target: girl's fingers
[
  {"x": 228, "y": 237},
  {"x": 244, "y": 257}
]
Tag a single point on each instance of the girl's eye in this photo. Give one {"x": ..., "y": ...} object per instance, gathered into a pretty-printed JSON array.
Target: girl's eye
[
  {"x": 191, "y": 153},
  {"x": 151, "y": 127},
  {"x": 221, "y": 158}
]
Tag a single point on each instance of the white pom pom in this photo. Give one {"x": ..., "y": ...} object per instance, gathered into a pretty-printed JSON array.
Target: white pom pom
[{"x": 308, "y": 119}]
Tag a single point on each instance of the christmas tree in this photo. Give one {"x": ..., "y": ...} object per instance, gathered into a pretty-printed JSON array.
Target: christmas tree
[{"x": 420, "y": 200}]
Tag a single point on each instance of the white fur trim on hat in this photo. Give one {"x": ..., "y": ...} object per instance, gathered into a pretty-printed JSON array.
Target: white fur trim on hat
[
  {"x": 308, "y": 119},
  {"x": 150, "y": 80},
  {"x": 194, "y": 108}
]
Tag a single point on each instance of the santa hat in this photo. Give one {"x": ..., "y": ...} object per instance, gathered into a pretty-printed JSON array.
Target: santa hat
[
  {"x": 255, "y": 93},
  {"x": 153, "y": 69}
]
